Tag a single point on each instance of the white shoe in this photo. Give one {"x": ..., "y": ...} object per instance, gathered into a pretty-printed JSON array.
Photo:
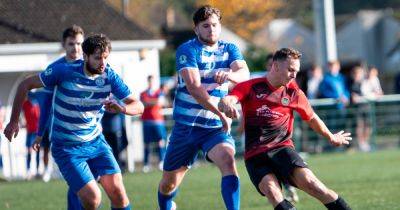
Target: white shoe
[
  {"x": 161, "y": 165},
  {"x": 146, "y": 169},
  {"x": 46, "y": 176},
  {"x": 173, "y": 206}
]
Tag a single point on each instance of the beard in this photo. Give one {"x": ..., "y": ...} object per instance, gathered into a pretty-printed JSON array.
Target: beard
[
  {"x": 93, "y": 70},
  {"x": 207, "y": 41}
]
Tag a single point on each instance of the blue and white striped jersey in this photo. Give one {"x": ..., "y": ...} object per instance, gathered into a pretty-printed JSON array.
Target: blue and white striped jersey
[
  {"x": 44, "y": 96},
  {"x": 78, "y": 101},
  {"x": 208, "y": 60}
]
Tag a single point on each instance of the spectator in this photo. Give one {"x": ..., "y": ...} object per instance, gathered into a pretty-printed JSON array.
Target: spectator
[
  {"x": 154, "y": 130},
  {"x": 371, "y": 87},
  {"x": 315, "y": 78},
  {"x": 360, "y": 109},
  {"x": 31, "y": 112}
]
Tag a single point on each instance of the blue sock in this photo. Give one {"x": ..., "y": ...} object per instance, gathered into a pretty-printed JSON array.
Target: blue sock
[
  {"x": 230, "y": 189},
  {"x": 28, "y": 161},
  {"x": 146, "y": 154},
  {"x": 128, "y": 207},
  {"x": 165, "y": 201},
  {"x": 37, "y": 161},
  {"x": 74, "y": 203}
]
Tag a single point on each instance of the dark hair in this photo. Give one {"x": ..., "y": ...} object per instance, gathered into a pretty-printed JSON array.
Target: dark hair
[
  {"x": 204, "y": 12},
  {"x": 72, "y": 32},
  {"x": 286, "y": 53},
  {"x": 150, "y": 77},
  {"x": 269, "y": 57},
  {"x": 94, "y": 42}
]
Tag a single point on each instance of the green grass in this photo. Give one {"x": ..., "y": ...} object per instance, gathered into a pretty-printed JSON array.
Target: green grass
[{"x": 365, "y": 180}]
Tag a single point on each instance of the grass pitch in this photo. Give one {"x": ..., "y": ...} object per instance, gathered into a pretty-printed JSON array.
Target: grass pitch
[{"x": 365, "y": 180}]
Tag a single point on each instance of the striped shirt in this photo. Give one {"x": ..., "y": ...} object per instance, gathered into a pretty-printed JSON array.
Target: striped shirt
[
  {"x": 78, "y": 101},
  {"x": 207, "y": 60},
  {"x": 44, "y": 97}
]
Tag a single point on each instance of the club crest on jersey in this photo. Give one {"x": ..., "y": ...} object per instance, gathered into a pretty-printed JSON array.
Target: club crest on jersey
[
  {"x": 285, "y": 101},
  {"x": 48, "y": 71},
  {"x": 182, "y": 59},
  {"x": 99, "y": 81}
]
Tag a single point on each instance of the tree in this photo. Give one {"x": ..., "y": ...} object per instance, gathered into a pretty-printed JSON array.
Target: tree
[{"x": 246, "y": 17}]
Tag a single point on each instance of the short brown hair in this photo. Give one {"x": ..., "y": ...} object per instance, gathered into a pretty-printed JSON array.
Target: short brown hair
[
  {"x": 204, "y": 12},
  {"x": 286, "y": 53},
  {"x": 72, "y": 32},
  {"x": 94, "y": 42}
]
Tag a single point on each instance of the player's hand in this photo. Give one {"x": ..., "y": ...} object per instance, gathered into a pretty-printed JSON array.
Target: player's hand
[
  {"x": 221, "y": 77},
  {"x": 113, "y": 106},
  {"x": 226, "y": 123},
  {"x": 340, "y": 138},
  {"x": 11, "y": 130},
  {"x": 228, "y": 108},
  {"x": 36, "y": 143}
]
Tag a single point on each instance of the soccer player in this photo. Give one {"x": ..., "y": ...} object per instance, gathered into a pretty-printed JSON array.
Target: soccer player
[
  {"x": 154, "y": 130},
  {"x": 205, "y": 65},
  {"x": 268, "y": 104},
  {"x": 72, "y": 38},
  {"x": 80, "y": 99}
]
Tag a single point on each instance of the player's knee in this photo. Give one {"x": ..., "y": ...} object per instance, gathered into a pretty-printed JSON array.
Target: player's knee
[
  {"x": 91, "y": 200},
  {"x": 166, "y": 187},
  {"x": 227, "y": 160}
]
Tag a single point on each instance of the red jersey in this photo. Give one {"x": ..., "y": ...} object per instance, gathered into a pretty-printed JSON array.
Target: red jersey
[
  {"x": 268, "y": 113},
  {"x": 31, "y": 113},
  {"x": 151, "y": 111}
]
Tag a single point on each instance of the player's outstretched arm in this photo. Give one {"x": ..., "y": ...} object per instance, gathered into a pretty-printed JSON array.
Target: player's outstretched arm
[
  {"x": 227, "y": 106},
  {"x": 27, "y": 84},
  {"x": 336, "y": 139}
]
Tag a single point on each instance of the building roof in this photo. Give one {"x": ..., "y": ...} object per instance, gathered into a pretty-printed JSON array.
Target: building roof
[{"x": 27, "y": 21}]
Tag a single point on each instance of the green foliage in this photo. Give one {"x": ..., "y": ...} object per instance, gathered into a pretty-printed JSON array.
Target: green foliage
[
  {"x": 255, "y": 58},
  {"x": 167, "y": 62}
]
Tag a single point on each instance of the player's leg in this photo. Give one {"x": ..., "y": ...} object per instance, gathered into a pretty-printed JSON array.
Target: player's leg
[
  {"x": 222, "y": 154},
  {"x": 305, "y": 180},
  {"x": 90, "y": 196},
  {"x": 114, "y": 188},
  {"x": 260, "y": 169},
  {"x": 168, "y": 187},
  {"x": 180, "y": 155},
  {"x": 104, "y": 165}
]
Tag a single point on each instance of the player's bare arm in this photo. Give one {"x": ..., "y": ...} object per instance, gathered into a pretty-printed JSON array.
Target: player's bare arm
[
  {"x": 27, "y": 84},
  {"x": 227, "y": 106},
  {"x": 132, "y": 106},
  {"x": 193, "y": 85},
  {"x": 336, "y": 139},
  {"x": 238, "y": 72}
]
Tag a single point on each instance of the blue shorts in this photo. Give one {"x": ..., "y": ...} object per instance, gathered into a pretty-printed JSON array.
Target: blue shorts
[
  {"x": 83, "y": 162},
  {"x": 30, "y": 138},
  {"x": 186, "y": 141},
  {"x": 153, "y": 131}
]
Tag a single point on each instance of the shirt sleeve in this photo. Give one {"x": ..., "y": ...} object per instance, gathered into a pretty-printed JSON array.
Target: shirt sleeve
[
  {"x": 186, "y": 57},
  {"x": 241, "y": 91},
  {"x": 234, "y": 53},
  {"x": 303, "y": 106},
  {"x": 118, "y": 88},
  {"x": 51, "y": 76}
]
